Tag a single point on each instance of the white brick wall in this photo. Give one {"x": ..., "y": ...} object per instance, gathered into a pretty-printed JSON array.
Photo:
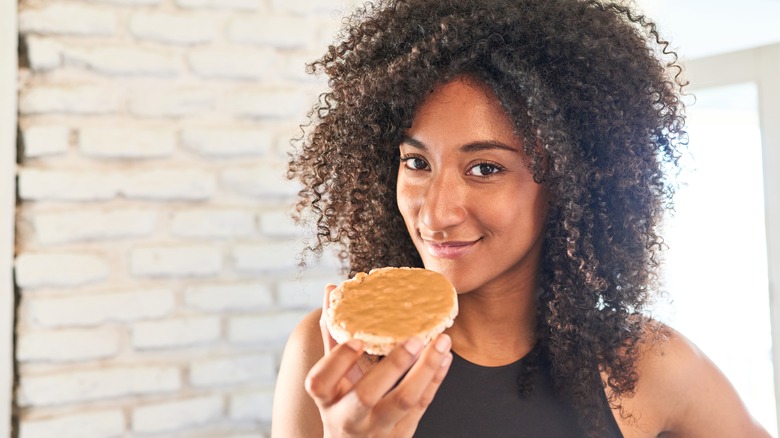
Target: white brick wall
[
  {"x": 156, "y": 261},
  {"x": 98, "y": 424}
]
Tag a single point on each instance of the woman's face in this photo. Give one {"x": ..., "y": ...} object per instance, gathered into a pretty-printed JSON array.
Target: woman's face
[{"x": 466, "y": 194}]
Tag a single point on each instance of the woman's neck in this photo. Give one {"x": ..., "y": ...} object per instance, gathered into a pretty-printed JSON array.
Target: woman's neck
[{"x": 494, "y": 329}]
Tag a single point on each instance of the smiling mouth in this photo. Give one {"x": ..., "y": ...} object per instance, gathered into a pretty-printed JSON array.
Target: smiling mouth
[{"x": 448, "y": 250}]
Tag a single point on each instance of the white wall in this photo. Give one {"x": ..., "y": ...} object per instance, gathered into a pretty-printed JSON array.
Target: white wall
[
  {"x": 8, "y": 43},
  {"x": 156, "y": 262}
]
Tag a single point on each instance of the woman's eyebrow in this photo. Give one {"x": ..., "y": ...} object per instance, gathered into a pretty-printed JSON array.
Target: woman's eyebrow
[{"x": 475, "y": 146}]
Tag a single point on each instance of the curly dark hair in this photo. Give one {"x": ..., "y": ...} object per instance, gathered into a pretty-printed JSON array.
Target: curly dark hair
[{"x": 594, "y": 92}]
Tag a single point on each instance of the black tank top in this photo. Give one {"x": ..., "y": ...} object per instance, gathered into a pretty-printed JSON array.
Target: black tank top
[{"x": 485, "y": 402}]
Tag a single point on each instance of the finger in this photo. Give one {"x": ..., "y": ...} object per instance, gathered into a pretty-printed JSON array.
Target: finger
[
  {"x": 384, "y": 375},
  {"x": 417, "y": 388},
  {"x": 326, "y": 381},
  {"x": 327, "y": 340},
  {"x": 408, "y": 424}
]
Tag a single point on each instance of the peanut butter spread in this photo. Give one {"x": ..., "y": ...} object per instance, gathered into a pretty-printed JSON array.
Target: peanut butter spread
[{"x": 398, "y": 303}]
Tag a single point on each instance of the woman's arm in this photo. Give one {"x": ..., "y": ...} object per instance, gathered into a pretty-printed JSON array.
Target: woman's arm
[{"x": 294, "y": 411}]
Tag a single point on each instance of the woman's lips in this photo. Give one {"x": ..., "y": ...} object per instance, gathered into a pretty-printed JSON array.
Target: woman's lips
[{"x": 448, "y": 250}]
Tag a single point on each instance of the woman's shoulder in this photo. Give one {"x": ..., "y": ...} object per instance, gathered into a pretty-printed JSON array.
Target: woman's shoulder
[{"x": 681, "y": 391}]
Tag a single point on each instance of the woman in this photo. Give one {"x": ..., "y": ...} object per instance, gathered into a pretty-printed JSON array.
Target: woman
[{"x": 519, "y": 148}]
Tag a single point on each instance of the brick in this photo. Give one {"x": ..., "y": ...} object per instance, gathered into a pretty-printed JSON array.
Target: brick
[
  {"x": 43, "y": 53},
  {"x": 278, "y": 224},
  {"x": 176, "y": 415},
  {"x": 173, "y": 28},
  {"x": 307, "y": 7},
  {"x": 130, "y": 2},
  {"x": 91, "y": 224},
  {"x": 109, "y": 142},
  {"x": 220, "y": 4},
  {"x": 59, "y": 270},
  {"x": 227, "y": 297},
  {"x": 295, "y": 67},
  {"x": 65, "y": 185},
  {"x": 45, "y": 140},
  {"x": 66, "y": 345},
  {"x": 266, "y": 104},
  {"x": 263, "y": 180},
  {"x": 97, "y": 384},
  {"x": 127, "y": 60},
  {"x": 169, "y": 184},
  {"x": 266, "y": 256},
  {"x": 303, "y": 294},
  {"x": 99, "y": 424},
  {"x": 233, "y": 370},
  {"x": 175, "y": 333},
  {"x": 176, "y": 261},
  {"x": 266, "y": 330},
  {"x": 177, "y": 102},
  {"x": 102, "y": 308},
  {"x": 254, "y": 406},
  {"x": 212, "y": 223},
  {"x": 270, "y": 30},
  {"x": 224, "y": 63},
  {"x": 215, "y": 142},
  {"x": 67, "y": 19},
  {"x": 74, "y": 99}
]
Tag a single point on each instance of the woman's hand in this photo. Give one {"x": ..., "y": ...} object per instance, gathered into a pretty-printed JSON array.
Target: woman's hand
[{"x": 372, "y": 402}]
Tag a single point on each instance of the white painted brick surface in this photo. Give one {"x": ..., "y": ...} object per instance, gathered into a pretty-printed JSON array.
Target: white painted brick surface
[
  {"x": 176, "y": 333},
  {"x": 266, "y": 256},
  {"x": 45, "y": 140},
  {"x": 229, "y": 297},
  {"x": 212, "y": 223},
  {"x": 110, "y": 142},
  {"x": 275, "y": 31},
  {"x": 91, "y": 224},
  {"x": 69, "y": 19},
  {"x": 232, "y": 63},
  {"x": 67, "y": 345},
  {"x": 59, "y": 269},
  {"x": 220, "y": 4},
  {"x": 279, "y": 224},
  {"x": 97, "y": 424},
  {"x": 156, "y": 260},
  {"x": 169, "y": 184},
  {"x": 233, "y": 370},
  {"x": 233, "y": 142},
  {"x": 266, "y": 104},
  {"x": 43, "y": 53},
  {"x": 180, "y": 260},
  {"x": 122, "y": 60},
  {"x": 303, "y": 294},
  {"x": 170, "y": 101},
  {"x": 264, "y": 180},
  {"x": 97, "y": 384},
  {"x": 101, "y": 308},
  {"x": 266, "y": 330},
  {"x": 177, "y": 415},
  {"x": 252, "y": 406},
  {"x": 67, "y": 185},
  {"x": 73, "y": 99},
  {"x": 174, "y": 28}
]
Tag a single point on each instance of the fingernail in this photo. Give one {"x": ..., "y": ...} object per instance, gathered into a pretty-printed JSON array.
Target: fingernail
[
  {"x": 413, "y": 346},
  {"x": 442, "y": 344},
  {"x": 354, "y": 344},
  {"x": 446, "y": 361}
]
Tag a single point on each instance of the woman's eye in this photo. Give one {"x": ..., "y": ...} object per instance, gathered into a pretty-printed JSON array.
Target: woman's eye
[
  {"x": 484, "y": 169},
  {"x": 415, "y": 163}
]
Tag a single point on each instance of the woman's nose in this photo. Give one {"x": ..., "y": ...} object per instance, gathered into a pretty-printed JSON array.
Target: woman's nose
[{"x": 444, "y": 203}]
